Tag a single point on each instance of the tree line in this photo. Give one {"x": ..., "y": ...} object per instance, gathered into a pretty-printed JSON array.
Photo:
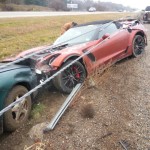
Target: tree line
[{"x": 62, "y": 4}]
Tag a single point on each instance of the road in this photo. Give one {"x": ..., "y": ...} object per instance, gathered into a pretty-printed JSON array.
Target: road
[{"x": 44, "y": 13}]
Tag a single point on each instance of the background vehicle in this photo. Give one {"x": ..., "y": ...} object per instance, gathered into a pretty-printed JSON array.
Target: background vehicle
[
  {"x": 146, "y": 15},
  {"x": 92, "y": 9},
  {"x": 107, "y": 41},
  {"x": 15, "y": 81}
]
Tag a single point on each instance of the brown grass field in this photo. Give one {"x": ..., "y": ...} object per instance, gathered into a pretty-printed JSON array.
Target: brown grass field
[{"x": 19, "y": 34}]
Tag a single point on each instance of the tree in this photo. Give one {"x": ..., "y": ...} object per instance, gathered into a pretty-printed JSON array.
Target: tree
[
  {"x": 3, "y": 1},
  {"x": 36, "y": 2},
  {"x": 58, "y": 5}
]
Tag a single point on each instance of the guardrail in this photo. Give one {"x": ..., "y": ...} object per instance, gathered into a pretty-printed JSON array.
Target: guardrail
[{"x": 54, "y": 75}]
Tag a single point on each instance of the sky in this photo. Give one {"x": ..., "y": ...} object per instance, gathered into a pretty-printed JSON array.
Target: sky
[{"x": 140, "y": 4}]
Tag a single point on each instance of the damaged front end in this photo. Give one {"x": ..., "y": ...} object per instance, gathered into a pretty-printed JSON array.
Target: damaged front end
[{"x": 44, "y": 69}]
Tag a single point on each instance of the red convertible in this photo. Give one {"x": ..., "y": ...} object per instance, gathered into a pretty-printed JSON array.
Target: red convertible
[{"x": 105, "y": 40}]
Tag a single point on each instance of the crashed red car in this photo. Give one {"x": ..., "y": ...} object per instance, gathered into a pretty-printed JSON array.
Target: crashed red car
[{"x": 106, "y": 40}]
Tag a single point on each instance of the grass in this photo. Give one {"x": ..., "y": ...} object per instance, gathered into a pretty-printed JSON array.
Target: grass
[
  {"x": 19, "y": 34},
  {"x": 37, "y": 110}
]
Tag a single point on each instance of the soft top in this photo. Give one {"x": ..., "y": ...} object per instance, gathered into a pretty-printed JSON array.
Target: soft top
[{"x": 94, "y": 22}]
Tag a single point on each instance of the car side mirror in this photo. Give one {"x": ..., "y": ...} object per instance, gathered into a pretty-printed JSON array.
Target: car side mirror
[{"x": 105, "y": 36}]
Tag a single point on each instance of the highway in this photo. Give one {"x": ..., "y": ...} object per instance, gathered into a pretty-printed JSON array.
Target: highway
[{"x": 44, "y": 13}]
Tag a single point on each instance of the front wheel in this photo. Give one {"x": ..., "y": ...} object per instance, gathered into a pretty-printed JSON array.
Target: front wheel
[
  {"x": 19, "y": 114},
  {"x": 138, "y": 45},
  {"x": 70, "y": 77}
]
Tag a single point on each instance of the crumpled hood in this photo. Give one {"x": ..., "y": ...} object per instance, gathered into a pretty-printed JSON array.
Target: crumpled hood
[
  {"x": 9, "y": 68},
  {"x": 27, "y": 52}
]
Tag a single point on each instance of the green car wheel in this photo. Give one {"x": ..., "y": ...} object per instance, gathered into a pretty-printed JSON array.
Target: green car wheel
[{"x": 19, "y": 114}]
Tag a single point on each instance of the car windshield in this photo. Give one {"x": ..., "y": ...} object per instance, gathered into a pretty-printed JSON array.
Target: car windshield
[{"x": 78, "y": 35}]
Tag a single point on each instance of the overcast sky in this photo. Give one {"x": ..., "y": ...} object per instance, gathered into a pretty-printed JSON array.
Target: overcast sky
[{"x": 140, "y": 4}]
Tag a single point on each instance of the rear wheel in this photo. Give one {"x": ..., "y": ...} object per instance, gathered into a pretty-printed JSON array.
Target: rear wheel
[
  {"x": 70, "y": 77},
  {"x": 19, "y": 114},
  {"x": 138, "y": 45}
]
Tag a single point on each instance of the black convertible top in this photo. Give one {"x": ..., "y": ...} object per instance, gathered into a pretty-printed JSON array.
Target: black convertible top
[
  {"x": 117, "y": 23},
  {"x": 94, "y": 22}
]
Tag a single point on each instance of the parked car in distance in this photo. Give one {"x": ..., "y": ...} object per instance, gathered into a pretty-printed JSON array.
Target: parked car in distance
[
  {"x": 146, "y": 14},
  {"x": 15, "y": 81},
  {"x": 108, "y": 41}
]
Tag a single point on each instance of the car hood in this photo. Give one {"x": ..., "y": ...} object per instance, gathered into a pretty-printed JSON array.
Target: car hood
[
  {"x": 27, "y": 52},
  {"x": 11, "y": 67},
  {"x": 69, "y": 50},
  {"x": 76, "y": 49},
  {"x": 48, "y": 52}
]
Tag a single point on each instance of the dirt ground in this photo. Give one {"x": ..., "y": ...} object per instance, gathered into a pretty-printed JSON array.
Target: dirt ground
[{"x": 112, "y": 114}]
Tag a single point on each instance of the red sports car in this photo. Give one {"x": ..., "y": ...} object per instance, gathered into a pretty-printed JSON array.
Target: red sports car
[{"x": 105, "y": 40}]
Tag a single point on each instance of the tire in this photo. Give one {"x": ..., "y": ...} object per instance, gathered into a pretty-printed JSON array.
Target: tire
[
  {"x": 138, "y": 45},
  {"x": 19, "y": 114},
  {"x": 70, "y": 77}
]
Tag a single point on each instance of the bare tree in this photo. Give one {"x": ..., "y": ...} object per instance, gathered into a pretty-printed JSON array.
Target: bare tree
[{"x": 58, "y": 5}]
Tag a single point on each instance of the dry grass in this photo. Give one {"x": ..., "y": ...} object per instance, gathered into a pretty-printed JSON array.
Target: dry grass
[
  {"x": 38, "y": 146},
  {"x": 19, "y": 34}
]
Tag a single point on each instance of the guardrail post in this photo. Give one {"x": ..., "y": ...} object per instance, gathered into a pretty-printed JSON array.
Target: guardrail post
[{"x": 63, "y": 108}]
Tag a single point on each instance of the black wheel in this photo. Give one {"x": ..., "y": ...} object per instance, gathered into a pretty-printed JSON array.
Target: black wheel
[
  {"x": 138, "y": 45},
  {"x": 19, "y": 114},
  {"x": 70, "y": 77}
]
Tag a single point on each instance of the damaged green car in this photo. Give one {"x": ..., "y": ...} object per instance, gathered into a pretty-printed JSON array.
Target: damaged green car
[{"x": 15, "y": 81}]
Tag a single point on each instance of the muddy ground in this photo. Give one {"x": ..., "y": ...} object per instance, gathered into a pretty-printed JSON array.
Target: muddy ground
[{"x": 111, "y": 114}]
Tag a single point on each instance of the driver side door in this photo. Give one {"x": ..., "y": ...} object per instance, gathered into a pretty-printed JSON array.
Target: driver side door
[{"x": 113, "y": 47}]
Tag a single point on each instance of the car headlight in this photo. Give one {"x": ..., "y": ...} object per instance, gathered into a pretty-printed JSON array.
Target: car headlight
[{"x": 38, "y": 71}]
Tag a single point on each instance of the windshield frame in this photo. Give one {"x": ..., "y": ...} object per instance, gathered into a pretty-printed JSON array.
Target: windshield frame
[{"x": 94, "y": 36}]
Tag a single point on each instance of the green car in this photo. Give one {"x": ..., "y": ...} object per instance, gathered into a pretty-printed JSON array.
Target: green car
[{"x": 15, "y": 81}]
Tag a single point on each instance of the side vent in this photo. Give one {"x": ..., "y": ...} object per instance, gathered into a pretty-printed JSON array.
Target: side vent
[{"x": 90, "y": 56}]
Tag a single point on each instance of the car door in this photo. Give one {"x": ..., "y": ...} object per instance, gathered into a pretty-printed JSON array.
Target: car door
[{"x": 113, "y": 47}]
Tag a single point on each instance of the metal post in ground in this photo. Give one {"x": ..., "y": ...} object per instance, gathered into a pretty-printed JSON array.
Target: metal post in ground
[{"x": 63, "y": 108}]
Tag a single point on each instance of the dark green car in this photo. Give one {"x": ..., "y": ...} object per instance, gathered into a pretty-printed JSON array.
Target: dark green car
[{"x": 15, "y": 81}]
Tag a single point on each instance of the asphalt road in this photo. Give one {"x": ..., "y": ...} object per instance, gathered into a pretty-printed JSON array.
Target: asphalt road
[{"x": 44, "y": 13}]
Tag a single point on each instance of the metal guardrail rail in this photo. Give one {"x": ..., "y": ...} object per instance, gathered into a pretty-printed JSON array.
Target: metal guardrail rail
[
  {"x": 62, "y": 109},
  {"x": 53, "y": 76}
]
